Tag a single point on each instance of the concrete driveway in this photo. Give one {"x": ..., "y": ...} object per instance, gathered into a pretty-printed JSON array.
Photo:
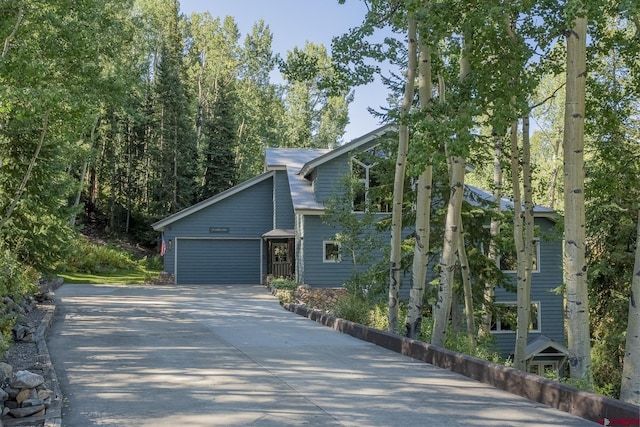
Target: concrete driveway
[{"x": 230, "y": 355}]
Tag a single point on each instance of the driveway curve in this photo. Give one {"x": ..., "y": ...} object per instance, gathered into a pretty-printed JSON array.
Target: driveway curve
[{"x": 230, "y": 355}]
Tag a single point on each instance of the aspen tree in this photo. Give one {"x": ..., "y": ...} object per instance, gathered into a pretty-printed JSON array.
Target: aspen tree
[
  {"x": 575, "y": 271},
  {"x": 398, "y": 182},
  {"x": 630, "y": 387},
  {"x": 423, "y": 208}
]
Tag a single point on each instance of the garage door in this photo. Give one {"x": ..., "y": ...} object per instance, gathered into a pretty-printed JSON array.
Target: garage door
[{"x": 217, "y": 262}]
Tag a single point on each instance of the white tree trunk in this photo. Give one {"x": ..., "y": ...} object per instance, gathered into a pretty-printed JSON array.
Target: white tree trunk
[
  {"x": 575, "y": 267},
  {"x": 494, "y": 230},
  {"x": 451, "y": 231},
  {"x": 525, "y": 245},
  {"x": 518, "y": 237},
  {"x": 398, "y": 182},
  {"x": 466, "y": 286},
  {"x": 630, "y": 388},
  {"x": 448, "y": 259},
  {"x": 27, "y": 175},
  {"x": 423, "y": 210}
]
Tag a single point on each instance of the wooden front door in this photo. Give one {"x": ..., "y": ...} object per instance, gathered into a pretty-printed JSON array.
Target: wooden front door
[{"x": 281, "y": 257}]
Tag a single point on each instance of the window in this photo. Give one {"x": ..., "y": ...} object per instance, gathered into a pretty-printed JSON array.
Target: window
[
  {"x": 544, "y": 368},
  {"x": 368, "y": 191},
  {"x": 330, "y": 251},
  {"x": 508, "y": 262},
  {"x": 506, "y": 314}
]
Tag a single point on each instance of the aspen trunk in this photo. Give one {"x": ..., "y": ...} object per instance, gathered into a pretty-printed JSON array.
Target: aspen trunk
[
  {"x": 451, "y": 232},
  {"x": 423, "y": 211},
  {"x": 554, "y": 174},
  {"x": 575, "y": 270},
  {"x": 398, "y": 182},
  {"x": 27, "y": 175},
  {"x": 494, "y": 231},
  {"x": 522, "y": 328},
  {"x": 630, "y": 387},
  {"x": 466, "y": 286},
  {"x": 448, "y": 259}
]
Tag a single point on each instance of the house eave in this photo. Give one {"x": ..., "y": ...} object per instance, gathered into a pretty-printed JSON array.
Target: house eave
[{"x": 309, "y": 211}]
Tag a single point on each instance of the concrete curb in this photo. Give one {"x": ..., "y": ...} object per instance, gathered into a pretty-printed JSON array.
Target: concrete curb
[{"x": 591, "y": 406}]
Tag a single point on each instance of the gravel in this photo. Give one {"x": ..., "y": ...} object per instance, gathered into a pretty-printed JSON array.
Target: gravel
[{"x": 24, "y": 355}]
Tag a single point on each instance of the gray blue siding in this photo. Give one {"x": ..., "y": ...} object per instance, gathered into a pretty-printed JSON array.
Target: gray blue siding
[
  {"x": 283, "y": 210},
  {"x": 316, "y": 272},
  {"x": 543, "y": 285},
  {"x": 329, "y": 177},
  {"x": 247, "y": 214}
]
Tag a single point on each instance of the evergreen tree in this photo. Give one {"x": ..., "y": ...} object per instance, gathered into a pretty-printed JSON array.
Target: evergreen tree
[{"x": 219, "y": 144}]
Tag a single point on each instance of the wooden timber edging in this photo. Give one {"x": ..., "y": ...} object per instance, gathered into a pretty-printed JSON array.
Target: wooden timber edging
[{"x": 591, "y": 406}]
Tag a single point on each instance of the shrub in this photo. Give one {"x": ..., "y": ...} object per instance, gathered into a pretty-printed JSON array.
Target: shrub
[
  {"x": 153, "y": 263},
  {"x": 92, "y": 258},
  {"x": 353, "y": 308},
  {"x": 16, "y": 281},
  {"x": 283, "y": 283}
]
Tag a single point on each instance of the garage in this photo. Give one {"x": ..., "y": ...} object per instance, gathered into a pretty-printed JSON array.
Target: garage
[{"x": 218, "y": 261}]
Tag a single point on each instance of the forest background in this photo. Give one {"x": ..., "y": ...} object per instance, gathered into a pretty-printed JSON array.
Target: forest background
[{"x": 114, "y": 114}]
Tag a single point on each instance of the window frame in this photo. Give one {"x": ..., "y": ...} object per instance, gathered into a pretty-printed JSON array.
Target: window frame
[
  {"x": 536, "y": 260},
  {"x": 366, "y": 180},
  {"x": 514, "y": 304},
  {"x": 326, "y": 260}
]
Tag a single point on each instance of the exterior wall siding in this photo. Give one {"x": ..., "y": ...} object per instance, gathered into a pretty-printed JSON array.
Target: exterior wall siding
[
  {"x": 316, "y": 272},
  {"x": 328, "y": 274},
  {"x": 328, "y": 180},
  {"x": 283, "y": 206},
  {"x": 543, "y": 284},
  {"x": 248, "y": 214}
]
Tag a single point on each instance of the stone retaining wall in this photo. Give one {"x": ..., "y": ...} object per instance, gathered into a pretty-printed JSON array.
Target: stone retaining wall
[
  {"x": 319, "y": 298},
  {"x": 322, "y": 299}
]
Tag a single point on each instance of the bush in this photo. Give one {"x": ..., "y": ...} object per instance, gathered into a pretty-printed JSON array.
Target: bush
[
  {"x": 153, "y": 263},
  {"x": 97, "y": 258},
  {"x": 16, "y": 281},
  {"x": 353, "y": 308},
  {"x": 283, "y": 283}
]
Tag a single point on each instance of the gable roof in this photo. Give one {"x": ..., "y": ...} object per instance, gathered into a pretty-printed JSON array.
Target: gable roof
[
  {"x": 352, "y": 145},
  {"x": 479, "y": 194},
  {"x": 545, "y": 345},
  {"x": 281, "y": 158},
  {"x": 299, "y": 163},
  {"x": 160, "y": 225}
]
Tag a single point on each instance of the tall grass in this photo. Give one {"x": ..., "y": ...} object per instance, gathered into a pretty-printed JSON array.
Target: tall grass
[{"x": 104, "y": 263}]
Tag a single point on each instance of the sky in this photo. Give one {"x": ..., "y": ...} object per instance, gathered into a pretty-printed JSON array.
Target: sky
[{"x": 292, "y": 23}]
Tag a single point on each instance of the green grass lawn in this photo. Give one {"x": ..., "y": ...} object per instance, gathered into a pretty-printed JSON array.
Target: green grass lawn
[
  {"x": 111, "y": 263},
  {"x": 117, "y": 277}
]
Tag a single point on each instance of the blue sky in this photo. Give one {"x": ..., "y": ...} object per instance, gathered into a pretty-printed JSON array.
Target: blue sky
[{"x": 292, "y": 22}]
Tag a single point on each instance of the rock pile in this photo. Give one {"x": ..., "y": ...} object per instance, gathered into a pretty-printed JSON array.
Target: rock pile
[
  {"x": 319, "y": 298},
  {"x": 323, "y": 299},
  {"x": 163, "y": 278},
  {"x": 23, "y": 393}
]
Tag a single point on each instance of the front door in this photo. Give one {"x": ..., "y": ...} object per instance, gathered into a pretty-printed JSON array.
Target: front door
[{"x": 281, "y": 258}]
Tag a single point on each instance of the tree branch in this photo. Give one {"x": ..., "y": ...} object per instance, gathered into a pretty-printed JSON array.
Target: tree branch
[
  {"x": 11, "y": 36},
  {"x": 553, "y": 95},
  {"x": 23, "y": 185}
]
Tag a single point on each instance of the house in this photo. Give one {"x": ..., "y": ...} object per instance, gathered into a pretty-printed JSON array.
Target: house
[{"x": 273, "y": 224}]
